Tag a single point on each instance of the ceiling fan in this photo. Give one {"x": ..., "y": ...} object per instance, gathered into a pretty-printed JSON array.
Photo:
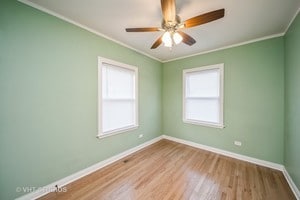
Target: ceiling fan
[{"x": 171, "y": 25}]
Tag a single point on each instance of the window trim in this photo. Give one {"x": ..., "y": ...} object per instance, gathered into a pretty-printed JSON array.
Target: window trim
[
  {"x": 221, "y": 103},
  {"x": 101, "y": 134}
]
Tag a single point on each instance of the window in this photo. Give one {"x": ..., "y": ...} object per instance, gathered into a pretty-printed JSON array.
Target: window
[
  {"x": 203, "y": 95},
  {"x": 117, "y": 88}
]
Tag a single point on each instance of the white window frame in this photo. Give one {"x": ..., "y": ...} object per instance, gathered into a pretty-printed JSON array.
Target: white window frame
[
  {"x": 102, "y": 134},
  {"x": 221, "y": 99}
]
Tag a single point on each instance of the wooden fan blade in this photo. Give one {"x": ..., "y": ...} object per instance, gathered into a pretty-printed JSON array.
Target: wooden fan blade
[
  {"x": 157, "y": 43},
  {"x": 146, "y": 29},
  {"x": 186, "y": 38},
  {"x": 204, "y": 18},
  {"x": 168, "y": 10}
]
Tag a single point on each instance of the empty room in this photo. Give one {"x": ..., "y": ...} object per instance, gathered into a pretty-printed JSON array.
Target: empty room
[{"x": 150, "y": 100}]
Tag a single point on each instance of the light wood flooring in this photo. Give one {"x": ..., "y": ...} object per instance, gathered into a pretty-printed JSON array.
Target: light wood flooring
[{"x": 168, "y": 170}]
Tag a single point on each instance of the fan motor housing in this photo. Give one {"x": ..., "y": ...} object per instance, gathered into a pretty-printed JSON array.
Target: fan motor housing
[{"x": 171, "y": 25}]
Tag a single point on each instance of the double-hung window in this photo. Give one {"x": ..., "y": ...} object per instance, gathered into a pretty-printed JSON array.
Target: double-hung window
[
  {"x": 203, "y": 95},
  {"x": 117, "y": 88}
]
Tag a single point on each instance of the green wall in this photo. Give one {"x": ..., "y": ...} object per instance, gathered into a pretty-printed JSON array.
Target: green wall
[
  {"x": 253, "y": 100},
  {"x": 48, "y": 102},
  {"x": 292, "y": 101}
]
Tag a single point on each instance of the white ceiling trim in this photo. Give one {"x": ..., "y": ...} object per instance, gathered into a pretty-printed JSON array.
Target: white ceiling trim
[
  {"x": 292, "y": 20},
  {"x": 84, "y": 27},
  {"x": 242, "y": 43},
  {"x": 43, "y": 9},
  {"x": 228, "y": 47}
]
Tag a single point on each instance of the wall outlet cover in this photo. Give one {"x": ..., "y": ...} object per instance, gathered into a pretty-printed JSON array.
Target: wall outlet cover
[{"x": 237, "y": 143}]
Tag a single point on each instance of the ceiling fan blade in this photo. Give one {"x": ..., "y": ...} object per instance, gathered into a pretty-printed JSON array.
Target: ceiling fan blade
[
  {"x": 157, "y": 43},
  {"x": 146, "y": 29},
  {"x": 168, "y": 10},
  {"x": 204, "y": 18},
  {"x": 186, "y": 38}
]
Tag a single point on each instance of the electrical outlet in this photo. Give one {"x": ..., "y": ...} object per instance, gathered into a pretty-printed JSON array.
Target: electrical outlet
[
  {"x": 141, "y": 135},
  {"x": 237, "y": 143}
]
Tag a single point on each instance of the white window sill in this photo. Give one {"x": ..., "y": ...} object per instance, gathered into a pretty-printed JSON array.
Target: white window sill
[
  {"x": 201, "y": 123},
  {"x": 116, "y": 131}
]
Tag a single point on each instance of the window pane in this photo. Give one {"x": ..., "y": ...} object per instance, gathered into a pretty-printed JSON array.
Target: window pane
[
  {"x": 203, "y": 110},
  {"x": 117, "y": 114},
  {"x": 118, "y": 98},
  {"x": 117, "y": 82},
  {"x": 204, "y": 83}
]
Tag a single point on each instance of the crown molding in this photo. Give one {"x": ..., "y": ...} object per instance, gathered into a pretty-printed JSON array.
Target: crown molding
[
  {"x": 292, "y": 20},
  {"x": 36, "y": 6},
  {"x": 228, "y": 47},
  {"x": 43, "y": 9}
]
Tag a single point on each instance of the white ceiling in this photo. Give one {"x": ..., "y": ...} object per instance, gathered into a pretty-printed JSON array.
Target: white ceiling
[{"x": 245, "y": 20}]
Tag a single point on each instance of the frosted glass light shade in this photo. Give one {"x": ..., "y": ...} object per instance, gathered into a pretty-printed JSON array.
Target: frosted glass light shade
[
  {"x": 177, "y": 38},
  {"x": 167, "y": 39}
]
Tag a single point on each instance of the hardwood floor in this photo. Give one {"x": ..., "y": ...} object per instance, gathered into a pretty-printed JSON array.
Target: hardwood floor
[{"x": 168, "y": 170}]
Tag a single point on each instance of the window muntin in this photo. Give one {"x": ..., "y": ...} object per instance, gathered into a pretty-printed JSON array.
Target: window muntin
[
  {"x": 203, "y": 95},
  {"x": 117, "y": 97}
]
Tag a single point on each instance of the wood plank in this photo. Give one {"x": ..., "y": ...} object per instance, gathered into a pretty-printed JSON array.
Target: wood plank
[{"x": 169, "y": 170}]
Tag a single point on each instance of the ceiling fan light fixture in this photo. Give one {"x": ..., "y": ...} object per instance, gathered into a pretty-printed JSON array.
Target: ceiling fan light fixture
[
  {"x": 177, "y": 38},
  {"x": 167, "y": 39},
  {"x": 171, "y": 25}
]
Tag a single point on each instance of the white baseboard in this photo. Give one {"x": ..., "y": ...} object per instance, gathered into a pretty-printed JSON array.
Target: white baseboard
[
  {"x": 241, "y": 157},
  {"x": 291, "y": 183},
  {"x": 62, "y": 182},
  {"x": 227, "y": 153}
]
